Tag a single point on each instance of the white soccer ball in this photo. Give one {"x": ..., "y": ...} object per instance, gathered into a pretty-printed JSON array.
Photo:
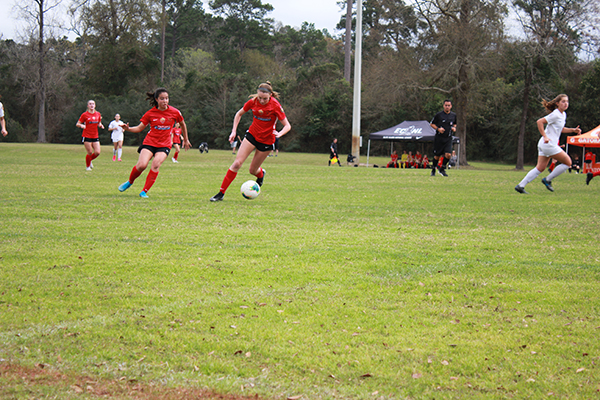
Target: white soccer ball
[{"x": 250, "y": 190}]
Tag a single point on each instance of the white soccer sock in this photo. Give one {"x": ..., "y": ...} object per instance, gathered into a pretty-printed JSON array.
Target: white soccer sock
[
  {"x": 119, "y": 152},
  {"x": 531, "y": 175},
  {"x": 557, "y": 171}
]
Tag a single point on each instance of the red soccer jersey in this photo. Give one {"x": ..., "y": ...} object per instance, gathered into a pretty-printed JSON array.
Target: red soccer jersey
[
  {"x": 91, "y": 121},
  {"x": 177, "y": 135},
  {"x": 394, "y": 158},
  {"x": 161, "y": 123},
  {"x": 265, "y": 118}
]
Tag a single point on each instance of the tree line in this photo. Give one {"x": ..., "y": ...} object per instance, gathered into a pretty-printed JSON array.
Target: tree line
[{"x": 415, "y": 55}]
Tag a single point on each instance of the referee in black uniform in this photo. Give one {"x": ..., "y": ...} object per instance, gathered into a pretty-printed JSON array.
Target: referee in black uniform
[{"x": 444, "y": 124}]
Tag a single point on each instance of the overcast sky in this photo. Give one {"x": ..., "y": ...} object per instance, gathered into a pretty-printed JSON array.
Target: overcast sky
[{"x": 325, "y": 14}]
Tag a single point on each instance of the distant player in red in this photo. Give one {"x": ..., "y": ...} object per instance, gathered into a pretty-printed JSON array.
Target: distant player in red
[
  {"x": 588, "y": 158},
  {"x": 176, "y": 133},
  {"x": 89, "y": 121},
  {"x": 161, "y": 118},
  {"x": 418, "y": 160},
  {"x": 394, "y": 161},
  {"x": 261, "y": 135}
]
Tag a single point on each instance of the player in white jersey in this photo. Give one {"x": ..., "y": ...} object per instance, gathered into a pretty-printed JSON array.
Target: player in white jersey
[
  {"x": 116, "y": 134},
  {"x": 548, "y": 144}
]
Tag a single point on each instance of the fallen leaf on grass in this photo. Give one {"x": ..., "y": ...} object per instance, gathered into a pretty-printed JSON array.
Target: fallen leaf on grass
[
  {"x": 366, "y": 375},
  {"x": 416, "y": 375},
  {"x": 453, "y": 378},
  {"x": 295, "y": 397},
  {"x": 445, "y": 362},
  {"x": 77, "y": 389},
  {"x": 580, "y": 369}
]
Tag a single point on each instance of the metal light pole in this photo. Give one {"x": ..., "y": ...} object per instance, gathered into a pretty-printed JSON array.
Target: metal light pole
[{"x": 357, "y": 84}]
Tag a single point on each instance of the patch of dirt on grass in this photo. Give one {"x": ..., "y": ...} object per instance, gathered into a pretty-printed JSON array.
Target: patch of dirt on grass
[{"x": 13, "y": 378}]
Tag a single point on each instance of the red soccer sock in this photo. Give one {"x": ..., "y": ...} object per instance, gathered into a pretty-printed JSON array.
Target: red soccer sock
[
  {"x": 95, "y": 155},
  {"x": 229, "y": 177},
  {"x": 150, "y": 179},
  {"x": 88, "y": 160},
  {"x": 134, "y": 174},
  {"x": 260, "y": 174},
  {"x": 176, "y": 155},
  {"x": 596, "y": 173}
]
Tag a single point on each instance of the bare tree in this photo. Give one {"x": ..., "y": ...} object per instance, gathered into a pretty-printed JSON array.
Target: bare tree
[
  {"x": 163, "y": 31},
  {"x": 555, "y": 31},
  {"x": 462, "y": 34},
  {"x": 348, "y": 41},
  {"x": 35, "y": 13}
]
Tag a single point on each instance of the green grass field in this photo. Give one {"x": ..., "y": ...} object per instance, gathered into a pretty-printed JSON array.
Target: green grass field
[{"x": 352, "y": 283}]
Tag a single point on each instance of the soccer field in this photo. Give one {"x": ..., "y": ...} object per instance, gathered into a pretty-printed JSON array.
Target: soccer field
[{"x": 353, "y": 283}]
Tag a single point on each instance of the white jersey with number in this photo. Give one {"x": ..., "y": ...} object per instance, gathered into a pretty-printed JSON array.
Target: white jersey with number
[{"x": 1, "y": 110}]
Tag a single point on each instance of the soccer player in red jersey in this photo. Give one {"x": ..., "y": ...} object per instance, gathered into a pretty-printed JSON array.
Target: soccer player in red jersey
[
  {"x": 161, "y": 118},
  {"x": 260, "y": 136},
  {"x": 89, "y": 121},
  {"x": 394, "y": 161},
  {"x": 176, "y": 141}
]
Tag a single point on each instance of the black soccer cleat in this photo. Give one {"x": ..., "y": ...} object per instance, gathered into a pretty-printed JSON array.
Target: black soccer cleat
[
  {"x": 433, "y": 171},
  {"x": 520, "y": 189},
  {"x": 588, "y": 178},
  {"x": 217, "y": 197},
  {"x": 548, "y": 185},
  {"x": 443, "y": 172},
  {"x": 261, "y": 180}
]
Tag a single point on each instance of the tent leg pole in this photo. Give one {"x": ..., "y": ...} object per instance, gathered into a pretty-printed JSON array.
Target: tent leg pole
[{"x": 368, "y": 151}]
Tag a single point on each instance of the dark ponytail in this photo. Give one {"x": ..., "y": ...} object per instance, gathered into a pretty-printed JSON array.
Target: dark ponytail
[{"x": 153, "y": 96}]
